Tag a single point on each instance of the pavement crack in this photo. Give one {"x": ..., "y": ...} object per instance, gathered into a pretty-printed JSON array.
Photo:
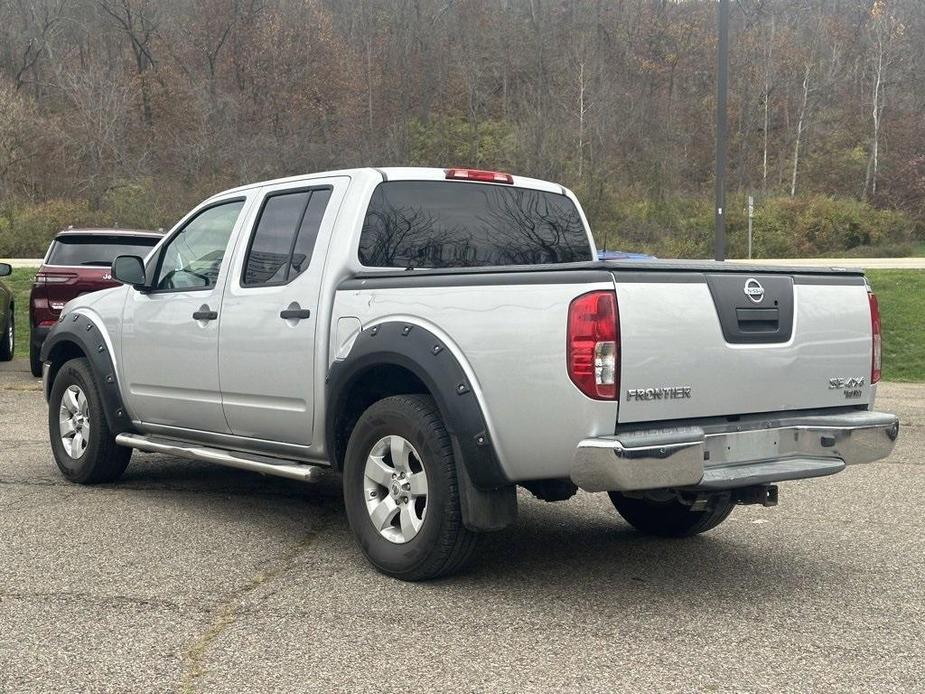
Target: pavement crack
[
  {"x": 34, "y": 482},
  {"x": 22, "y": 387},
  {"x": 291, "y": 492},
  {"x": 28, "y": 502},
  {"x": 104, "y": 601},
  {"x": 195, "y": 659}
]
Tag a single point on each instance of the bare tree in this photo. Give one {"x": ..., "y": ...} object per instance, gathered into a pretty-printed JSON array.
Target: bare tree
[
  {"x": 136, "y": 19},
  {"x": 768, "y": 66},
  {"x": 885, "y": 29},
  {"x": 801, "y": 125},
  {"x": 19, "y": 135},
  {"x": 96, "y": 128}
]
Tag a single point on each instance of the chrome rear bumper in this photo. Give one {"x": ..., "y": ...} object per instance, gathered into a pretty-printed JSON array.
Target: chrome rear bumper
[{"x": 752, "y": 451}]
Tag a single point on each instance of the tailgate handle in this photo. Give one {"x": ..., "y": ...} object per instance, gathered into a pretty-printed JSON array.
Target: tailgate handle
[{"x": 758, "y": 320}]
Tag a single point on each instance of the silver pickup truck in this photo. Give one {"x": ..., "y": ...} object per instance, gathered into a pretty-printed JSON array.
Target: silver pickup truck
[{"x": 442, "y": 336}]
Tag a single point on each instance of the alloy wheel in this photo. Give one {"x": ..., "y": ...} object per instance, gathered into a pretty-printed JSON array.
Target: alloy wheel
[
  {"x": 395, "y": 489},
  {"x": 74, "y": 420}
]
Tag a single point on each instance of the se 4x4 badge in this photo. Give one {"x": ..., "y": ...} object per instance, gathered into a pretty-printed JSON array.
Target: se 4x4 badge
[{"x": 850, "y": 386}]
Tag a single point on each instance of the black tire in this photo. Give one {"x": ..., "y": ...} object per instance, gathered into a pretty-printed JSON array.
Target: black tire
[
  {"x": 35, "y": 361},
  {"x": 8, "y": 341},
  {"x": 442, "y": 545},
  {"x": 102, "y": 460},
  {"x": 670, "y": 518}
]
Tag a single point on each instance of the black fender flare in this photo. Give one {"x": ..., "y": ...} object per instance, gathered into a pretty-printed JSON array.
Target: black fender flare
[
  {"x": 422, "y": 353},
  {"x": 80, "y": 330}
]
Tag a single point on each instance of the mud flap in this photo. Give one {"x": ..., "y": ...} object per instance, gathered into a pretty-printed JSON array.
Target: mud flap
[{"x": 484, "y": 510}]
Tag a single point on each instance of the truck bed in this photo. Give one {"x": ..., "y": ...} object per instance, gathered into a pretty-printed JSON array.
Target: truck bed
[{"x": 682, "y": 354}]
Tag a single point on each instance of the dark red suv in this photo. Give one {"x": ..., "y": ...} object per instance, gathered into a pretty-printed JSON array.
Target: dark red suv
[{"x": 77, "y": 262}]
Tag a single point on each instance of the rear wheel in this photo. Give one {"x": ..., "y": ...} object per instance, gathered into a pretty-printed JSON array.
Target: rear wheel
[
  {"x": 672, "y": 517},
  {"x": 8, "y": 345},
  {"x": 84, "y": 447},
  {"x": 401, "y": 492}
]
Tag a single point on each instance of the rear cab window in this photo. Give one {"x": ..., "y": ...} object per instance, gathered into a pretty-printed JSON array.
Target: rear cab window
[
  {"x": 443, "y": 224},
  {"x": 97, "y": 249}
]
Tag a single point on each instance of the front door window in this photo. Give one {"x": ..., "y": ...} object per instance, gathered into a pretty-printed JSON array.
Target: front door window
[{"x": 192, "y": 259}]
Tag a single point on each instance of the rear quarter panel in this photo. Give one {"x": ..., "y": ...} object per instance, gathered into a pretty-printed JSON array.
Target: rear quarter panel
[{"x": 511, "y": 340}]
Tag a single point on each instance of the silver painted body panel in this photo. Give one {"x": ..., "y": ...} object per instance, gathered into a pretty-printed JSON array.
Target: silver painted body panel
[
  {"x": 511, "y": 341},
  {"x": 671, "y": 336},
  {"x": 170, "y": 361},
  {"x": 266, "y": 363}
]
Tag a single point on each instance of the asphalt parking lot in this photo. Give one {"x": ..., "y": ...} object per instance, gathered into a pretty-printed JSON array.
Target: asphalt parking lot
[{"x": 191, "y": 577}]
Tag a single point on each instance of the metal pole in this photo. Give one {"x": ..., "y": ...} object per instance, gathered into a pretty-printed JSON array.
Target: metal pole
[
  {"x": 751, "y": 214},
  {"x": 722, "y": 88}
]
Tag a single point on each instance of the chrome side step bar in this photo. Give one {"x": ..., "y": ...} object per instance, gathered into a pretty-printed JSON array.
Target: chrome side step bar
[{"x": 243, "y": 461}]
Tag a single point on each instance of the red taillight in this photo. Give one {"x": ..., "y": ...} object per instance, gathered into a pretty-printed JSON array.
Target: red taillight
[
  {"x": 479, "y": 175},
  {"x": 876, "y": 352},
  {"x": 593, "y": 344}
]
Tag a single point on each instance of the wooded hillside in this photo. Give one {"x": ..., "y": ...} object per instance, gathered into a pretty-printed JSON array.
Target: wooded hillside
[{"x": 130, "y": 111}]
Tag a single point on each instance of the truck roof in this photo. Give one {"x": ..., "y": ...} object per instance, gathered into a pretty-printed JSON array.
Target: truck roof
[{"x": 398, "y": 173}]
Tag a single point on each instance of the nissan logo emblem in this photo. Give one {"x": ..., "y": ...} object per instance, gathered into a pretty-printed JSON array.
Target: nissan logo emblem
[{"x": 754, "y": 290}]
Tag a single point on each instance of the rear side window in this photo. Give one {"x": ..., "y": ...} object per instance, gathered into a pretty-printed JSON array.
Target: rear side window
[
  {"x": 97, "y": 249},
  {"x": 437, "y": 224},
  {"x": 284, "y": 238}
]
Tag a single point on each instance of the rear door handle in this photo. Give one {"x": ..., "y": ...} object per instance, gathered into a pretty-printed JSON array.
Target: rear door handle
[
  {"x": 205, "y": 313},
  {"x": 295, "y": 313}
]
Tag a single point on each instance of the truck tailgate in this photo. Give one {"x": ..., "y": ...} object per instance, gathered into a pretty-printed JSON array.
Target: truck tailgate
[{"x": 721, "y": 342}]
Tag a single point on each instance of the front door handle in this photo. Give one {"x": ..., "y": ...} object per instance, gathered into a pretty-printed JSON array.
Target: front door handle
[
  {"x": 294, "y": 312},
  {"x": 205, "y": 313}
]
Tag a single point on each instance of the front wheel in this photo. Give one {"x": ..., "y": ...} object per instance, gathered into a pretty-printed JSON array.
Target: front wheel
[
  {"x": 401, "y": 491},
  {"x": 84, "y": 448},
  {"x": 671, "y": 518}
]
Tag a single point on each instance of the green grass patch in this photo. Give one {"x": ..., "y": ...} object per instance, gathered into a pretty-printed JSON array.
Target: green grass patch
[
  {"x": 20, "y": 283},
  {"x": 901, "y": 294}
]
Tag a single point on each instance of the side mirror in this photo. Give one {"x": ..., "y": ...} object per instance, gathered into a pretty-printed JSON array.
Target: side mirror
[
  {"x": 129, "y": 269},
  {"x": 5, "y": 269}
]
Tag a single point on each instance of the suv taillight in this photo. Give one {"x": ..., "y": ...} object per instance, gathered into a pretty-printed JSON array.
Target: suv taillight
[
  {"x": 875, "y": 330},
  {"x": 54, "y": 277},
  {"x": 593, "y": 344}
]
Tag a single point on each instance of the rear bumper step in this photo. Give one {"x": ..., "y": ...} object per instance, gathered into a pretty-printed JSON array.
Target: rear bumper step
[
  {"x": 735, "y": 455},
  {"x": 243, "y": 461}
]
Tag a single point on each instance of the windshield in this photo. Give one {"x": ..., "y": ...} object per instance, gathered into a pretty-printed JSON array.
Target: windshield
[
  {"x": 421, "y": 224},
  {"x": 97, "y": 249}
]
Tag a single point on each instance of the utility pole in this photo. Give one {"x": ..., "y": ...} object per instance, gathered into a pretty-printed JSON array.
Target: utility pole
[
  {"x": 751, "y": 215},
  {"x": 722, "y": 88}
]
